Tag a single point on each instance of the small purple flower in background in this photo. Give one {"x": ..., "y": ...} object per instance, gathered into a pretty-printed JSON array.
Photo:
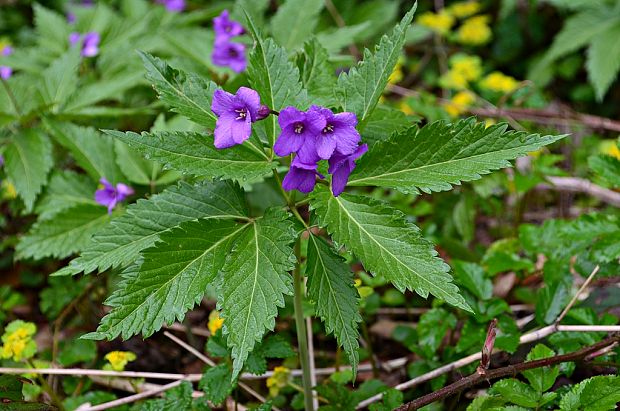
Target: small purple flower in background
[
  {"x": 298, "y": 128},
  {"x": 174, "y": 6},
  {"x": 301, "y": 176},
  {"x": 109, "y": 195},
  {"x": 225, "y": 28},
  {"x": 235, "y": 115},
  {"x": 1, "y": 160},
  {"x": 6, "y": 71},
  {"x": 229, "y": 54},
  {"x": 339, "y": 133},
  {"x": 71, "y": 18},
  {"x": 341, "y": 166},
  {"x": 90, "y": 43}
]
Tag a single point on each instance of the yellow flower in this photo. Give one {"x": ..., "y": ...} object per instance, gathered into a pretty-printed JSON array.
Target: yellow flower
[
  {"x": 464, "y": 9},
  {"x": 499, "y": 82},
  {"x": 119, "y": 359},
  {"x": 17, "y": 341},
  {"x": 406, "y": 108},
  {"x": 440, "y": 23},
  {"x": 610, "y": 147},
  {"x": 459, "y": 103},
  {"x": 8, "y": 191},
  {"x": 475, "y": 31},
  {"x": 215, "y": 322},
  {"x": 397, "y": 73},
  {"x": 453, "y": 79},
  {"x": 469, "y": 66},
  {"x": 280, "y": 379},
  {"x": 489, "y": 122}
]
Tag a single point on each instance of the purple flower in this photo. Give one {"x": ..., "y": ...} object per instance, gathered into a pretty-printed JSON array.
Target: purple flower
[
  {"x": 339, "y": 133},
  {"x": 90, "y": 43},
  {"x": 301, "y": 176},
  {"x": 341, "y": 166},
  {"x": 109, "y": 195},
  {"x": 298, "y": 129},
  {"x": 6, "y": 71},
  {"x": 174, "y": 6},
  {"x": 71, "y": 18},
  {"x": 228, "y": 54},
  {"x": 1, "y": 160},
  {"x": 225, "y": 28},
  {"x": 235, "y": 113}
]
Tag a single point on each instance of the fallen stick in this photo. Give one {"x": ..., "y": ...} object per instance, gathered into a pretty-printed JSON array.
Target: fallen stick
[{"x": 580, "y": 185}]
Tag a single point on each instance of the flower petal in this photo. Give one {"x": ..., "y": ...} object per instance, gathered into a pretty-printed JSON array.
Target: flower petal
[
  {"x": 346, "y": 118},
  {"x": 288, "y": 142},
  {"x": 290, "y": 115},
  {"x": 222, "y": 102},
  {"x": 250, "y": 99},
  {"x": 325, "y": 145},
  {"x": 347, "y": 139}
]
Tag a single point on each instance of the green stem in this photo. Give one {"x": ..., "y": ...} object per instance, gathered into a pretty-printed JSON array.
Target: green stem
[
  {"x": 300, "y": 325},
  {"x": 47, "y": 388}
]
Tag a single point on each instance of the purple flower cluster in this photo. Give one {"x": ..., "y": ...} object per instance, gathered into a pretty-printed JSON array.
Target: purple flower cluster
[
  {"x": 314, "y": 135},
  {"x": 227, "y": 53},
  {"x": 109, "y": 196},
  {"x": 90, "y": 42},
  {"x": 6, "y": 71},
  {"x": 173, "y": 6}
]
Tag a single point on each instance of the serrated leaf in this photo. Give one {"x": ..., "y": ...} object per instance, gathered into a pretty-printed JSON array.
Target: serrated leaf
[
  {"x": 600, "y": 393},
  {"x": 603, "y": 60},
  {"x": 66, "y": 234},
  {"x": 541, "y": 379},
  {"x": 60, "y": 79},
  {"x": 295, "y": 21},
  {"x": 317, "y": 75},
  {"x": 440, "y": 154},
  {"x": 187, "y": 93},
  {"x": 472, "y": 277},
  {"x": 359, "y": 90},
  {"x": 383, "y": 122},
  {"x": 28, "y": 160},
  {"x": 274, "y": 77},
  {"x": 517, "y": 392},
  {"x": 255, "y": 279},
  {"x": 52, "y": 29},
  {"x": 194, "y": 153},
  {"x": 432, "y": 328},
  {"x": 120, "y": 243},
  {"x": 608, "y": 167},
  {"x": 66, "y": 189},
  {"x": 86, "y": 145},
  {"x": 386, "y": 243},
  {"x": 171, "y": 279},
  {"x": 330, "y": 286},
  {"x": 216, "y": 383}
]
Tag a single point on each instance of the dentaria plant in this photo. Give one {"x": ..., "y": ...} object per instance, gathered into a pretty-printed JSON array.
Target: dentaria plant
[{"x": 319, "y": 140}]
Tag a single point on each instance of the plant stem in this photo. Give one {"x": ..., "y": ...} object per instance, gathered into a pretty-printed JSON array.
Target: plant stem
[{"x": 300, "y": 325}]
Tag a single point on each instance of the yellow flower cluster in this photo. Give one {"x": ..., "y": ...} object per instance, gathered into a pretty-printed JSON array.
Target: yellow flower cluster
[
  {"x": 119, "y": 359},
  {"x": 280, "y": 379},
  {"x": 610, "y": 147},
  {"x": 215, "y": 322},
  {"x": 464, "y": 9},
  {"x": 475, "y": 31},
  {"x": 363, "y": 290},
  {"x": 459, "y": 103},
  {"x": 463, "y": 69},
  {"x": 17, "y": 341},
  {"x": 499, "y": 82},
  {"x": 440, "y": 23},
  {"x": 8, "y": 191}
]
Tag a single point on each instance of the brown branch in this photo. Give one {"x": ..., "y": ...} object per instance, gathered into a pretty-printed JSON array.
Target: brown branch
[
  {"x": 580, "y": 185},
  {"x": 509, "y": 370}
]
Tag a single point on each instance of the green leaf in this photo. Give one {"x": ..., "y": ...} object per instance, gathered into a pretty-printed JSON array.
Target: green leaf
[
  {"x": 472, "y": 277},
  {"x": 439, "y": 155},
  {"x": 335, "y": 39},
  {"x": 52, "y": 29},
  {"x": 60, "y": 79},
  {"x": 383, "y": 122},
  {"x": 255, "y": 279},
  {"x": 517, "y": 392},
  {"x": 28, "y": 160},
  {"x": 194, "y": 153},
  {"x": 317, "y": 75},
  {"x": 275, "y": 346},
  {"x": 541, "y": 379},
  {"x": 77, "y": 351},
  {"x": 603, "y": 60},
  {"x": 66, "y": 189},
  {"x": 600, "y": 393},
  {"x": 432, "y": 328},
  {"x": 386, "y": 244},
  {"x": 187, "y": 93},
  {"x": 120, "y": 243},
  {"x": 86, "y": 145},
  {"x": 11, "y": 388},
  {"x": 172, "y": 278},
  {"x": 274, "y": 77},
  {"x": 359, "y": 90},
  {"x": 217, "y": 383},
  {"x": 67, "y": 233},
  {"x": 608, "y": 167},
  {"x": 295, "y": 21},
  {"x": 330, "y": 286}
]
